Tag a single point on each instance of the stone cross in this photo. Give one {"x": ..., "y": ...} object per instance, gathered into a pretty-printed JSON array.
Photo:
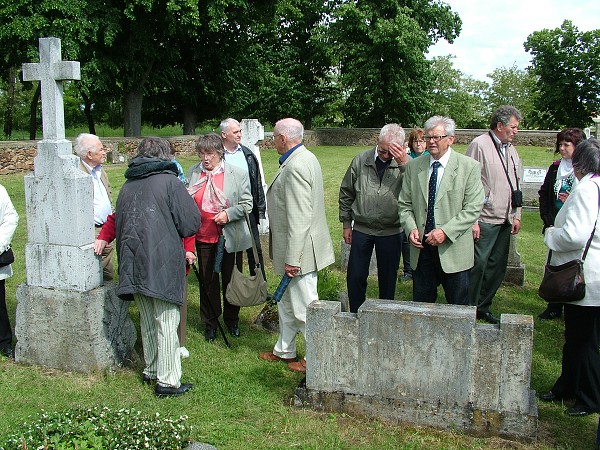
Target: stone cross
[{"x": 51, "y": 72}]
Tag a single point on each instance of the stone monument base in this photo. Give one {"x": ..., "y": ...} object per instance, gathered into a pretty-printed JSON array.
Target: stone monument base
[
  {"x": 463, "y": 418},
  {"x": 73, "y": 331}
]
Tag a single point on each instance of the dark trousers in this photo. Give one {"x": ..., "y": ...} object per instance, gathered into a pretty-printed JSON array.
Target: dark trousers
[
  {"x": 210, "y": 291},
  {"x": 580, "y": 376},
  {"x": 491, "y": 257},
  {"x": 405, "y": 254},
  {"x": 429, "y": 275},
  {"x": 387, "y": 251},
  {"x": 250, "y": 253},
  {"x": 5, "y": 330}
]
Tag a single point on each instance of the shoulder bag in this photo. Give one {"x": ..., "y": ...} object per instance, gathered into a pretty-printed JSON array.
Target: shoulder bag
[
  {"x": 7, "y": 257},
  {"x": 565, "y": 283},
  {"x": 247, "y": 290}
]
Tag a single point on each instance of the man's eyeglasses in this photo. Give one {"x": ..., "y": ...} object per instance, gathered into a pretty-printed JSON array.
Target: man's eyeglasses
[{"x": 434, "y": 138}]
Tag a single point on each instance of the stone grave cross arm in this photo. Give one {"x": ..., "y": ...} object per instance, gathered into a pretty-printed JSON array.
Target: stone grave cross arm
[{"x": 51, "y": 72}]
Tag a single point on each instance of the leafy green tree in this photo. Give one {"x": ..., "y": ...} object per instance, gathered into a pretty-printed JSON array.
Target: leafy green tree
[
  {"x": 381, "y": 46},
  {"x": 566, "y": 63},
  {"x": 516, "y": 87},
  {"x": 457, "y": 95}
]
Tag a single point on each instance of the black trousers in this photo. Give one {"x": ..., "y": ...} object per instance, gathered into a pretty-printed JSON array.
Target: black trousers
[
  {"x": 429, "y": 275},
  {"x": 210, "y": 291},
  {"x": 5, "y": 330},
  {"x": 580, "y": 376}
]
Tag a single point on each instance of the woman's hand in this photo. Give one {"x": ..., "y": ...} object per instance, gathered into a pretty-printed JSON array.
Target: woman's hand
[
  {"x": 221, "y": 218},
  {"x": 99, "y": 246},
  {"x": 190, "y": 258}
]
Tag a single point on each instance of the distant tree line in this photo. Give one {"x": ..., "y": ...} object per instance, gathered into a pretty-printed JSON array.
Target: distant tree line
[{"x": 326, "y": 62}]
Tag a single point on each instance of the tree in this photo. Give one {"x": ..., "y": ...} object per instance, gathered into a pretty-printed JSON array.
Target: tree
[
  {"x": 457, "y": 95},
  {"x": 381, "y": 46},
  {"x": 567, "y": 65},
  {"x": 516, "y": 87}
]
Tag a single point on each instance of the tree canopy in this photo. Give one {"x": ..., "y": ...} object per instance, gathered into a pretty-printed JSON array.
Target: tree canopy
[{"x": 566, "y": 63}]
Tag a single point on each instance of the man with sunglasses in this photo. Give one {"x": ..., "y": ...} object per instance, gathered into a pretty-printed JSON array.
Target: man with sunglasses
[{"x": 368, "y": 204}]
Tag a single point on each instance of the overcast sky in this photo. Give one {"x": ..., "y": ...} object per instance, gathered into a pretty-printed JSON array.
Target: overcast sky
[{"x": 493, "y": 33}]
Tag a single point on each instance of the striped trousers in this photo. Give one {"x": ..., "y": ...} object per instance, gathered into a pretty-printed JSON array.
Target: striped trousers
[{"x": 158, "y": 322}]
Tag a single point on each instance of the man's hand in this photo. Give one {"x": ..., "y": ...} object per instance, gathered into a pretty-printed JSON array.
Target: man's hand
[
  {"x": 414, "y": 239},
  {"x": 347, "y": 234},
  {"x": 292, "y": 271},
  {"x": 476, "y": 231},
  {"x": 99, "y": 245},
  {"x": 516, "y": 226},
  {"x": 435, "y": 237},
  {"x": 398, "y": 151}
]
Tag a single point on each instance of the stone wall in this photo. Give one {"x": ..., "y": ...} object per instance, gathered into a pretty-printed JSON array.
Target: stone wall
[
  {"x": 17, "y": 156},
  {"x": 425, "y": 364}
]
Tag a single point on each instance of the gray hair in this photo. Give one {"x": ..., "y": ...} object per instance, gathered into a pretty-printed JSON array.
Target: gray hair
[
  {"x": 84, "y": 143},
  {"x": 226, "y": 123},
  {"x": 586, "y": 157},
  {"x": 155, "y": 147},
  {"x": 448, "y": 124},
  {"x": 503, "y": 115},
  {"x": 394, "y": 133},
  {"x": 290, "y": 128},
  {"x": 209, "y": 143}
]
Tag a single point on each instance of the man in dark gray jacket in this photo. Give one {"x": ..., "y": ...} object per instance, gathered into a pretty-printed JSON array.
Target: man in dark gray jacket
[
  {"x": 368, "y": 203},
  {"x": 154, "y": 213}
]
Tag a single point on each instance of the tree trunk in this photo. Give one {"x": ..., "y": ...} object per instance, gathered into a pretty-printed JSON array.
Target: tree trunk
[
  {"x": 132, "y": 126},
  {"x": 189, "y": 120},
  {"x": 10, "y": 103},
  {"x": 87, "y": 110},
  {"x": 33, "y": 112}
]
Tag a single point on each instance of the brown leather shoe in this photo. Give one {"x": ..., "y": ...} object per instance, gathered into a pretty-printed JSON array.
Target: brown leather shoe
[
  {"x": 299, "y": 366},
  {"x": 269, "y": 356}
]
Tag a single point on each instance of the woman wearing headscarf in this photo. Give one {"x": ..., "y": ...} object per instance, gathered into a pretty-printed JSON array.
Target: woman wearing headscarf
[
  {"x": 222, "y": 193},
  {"x": 576, "y": 221},
  {"x": 560, "y": 180},
  {"x": 8, "y": 224}
]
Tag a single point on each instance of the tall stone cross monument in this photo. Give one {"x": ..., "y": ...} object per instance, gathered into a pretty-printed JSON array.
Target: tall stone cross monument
[{"x": 66, "y": 318}]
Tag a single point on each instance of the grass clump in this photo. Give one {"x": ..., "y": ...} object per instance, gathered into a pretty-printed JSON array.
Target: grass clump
[{"x": 99, "y": 428}]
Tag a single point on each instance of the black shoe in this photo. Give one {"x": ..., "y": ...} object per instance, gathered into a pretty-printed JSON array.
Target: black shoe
[
  {"x": 147, "y": 380},
  {"x": 548, "y": 314},
  {"x": 168, "y": 391},
  {"x": 406, "y": 277},
  {"x": 578, "y": 411},
  {"x": 6, "y": 352},
  {"x": 210, "y": 334},
  {"x": 488, "y": 317},
  {"x": 549, "y": 397},
  {"x": 234, "y": 330}
]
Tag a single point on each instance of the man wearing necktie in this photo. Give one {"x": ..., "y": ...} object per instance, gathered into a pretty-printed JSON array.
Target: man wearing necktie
[
  {"x": 441, "y": 198},
  {"x": 500, "y": 166}
]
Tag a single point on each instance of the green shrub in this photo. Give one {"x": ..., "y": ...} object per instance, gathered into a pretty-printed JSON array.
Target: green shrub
[{"x": 99, "y": 428}]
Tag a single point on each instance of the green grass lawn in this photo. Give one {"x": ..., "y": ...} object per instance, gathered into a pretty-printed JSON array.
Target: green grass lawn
[{"x": 240, "y": 401}]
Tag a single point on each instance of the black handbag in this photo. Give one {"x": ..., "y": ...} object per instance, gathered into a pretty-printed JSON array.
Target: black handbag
[
  {"x": 565, "y": 283},
  {"x": 7, "y": 257}
]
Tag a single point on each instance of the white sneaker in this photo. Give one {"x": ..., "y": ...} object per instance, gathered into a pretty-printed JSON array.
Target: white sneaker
[{"x": 183, "y": 352}]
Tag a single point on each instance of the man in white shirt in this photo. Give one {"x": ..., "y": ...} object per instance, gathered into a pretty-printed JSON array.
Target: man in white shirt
[{"x": 92, "y": 154}]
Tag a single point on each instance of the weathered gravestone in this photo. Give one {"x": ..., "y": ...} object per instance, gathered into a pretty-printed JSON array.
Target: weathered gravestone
[
  {"x": 65, "y": 318},
  {"x": 421, "y": 363}
]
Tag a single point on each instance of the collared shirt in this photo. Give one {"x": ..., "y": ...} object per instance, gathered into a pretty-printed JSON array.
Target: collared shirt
[
  {"x": 287, "y": 154},
  {"x": 102, "y": 206},
  {"x": 236, "y": 158},
  {"x": 444, "y": 162}
]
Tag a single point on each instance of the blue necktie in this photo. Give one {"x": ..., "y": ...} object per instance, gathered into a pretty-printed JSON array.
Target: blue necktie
[{"x": 430, "y": 223}]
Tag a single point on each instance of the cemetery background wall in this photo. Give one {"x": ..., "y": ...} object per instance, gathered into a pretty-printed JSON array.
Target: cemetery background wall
[{"x": 17, "y": 156}]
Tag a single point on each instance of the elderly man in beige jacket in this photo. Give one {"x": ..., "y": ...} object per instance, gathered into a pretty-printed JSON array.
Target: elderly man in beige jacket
[{"x": 300, "y": 243}]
